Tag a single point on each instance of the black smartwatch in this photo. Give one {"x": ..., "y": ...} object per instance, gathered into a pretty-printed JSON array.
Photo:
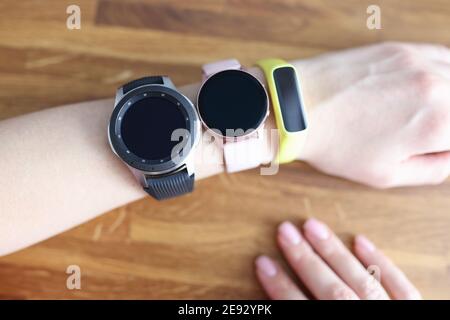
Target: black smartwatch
[
  {"x": 154, "y": 129},
  {"x": 233, "y": 105}
]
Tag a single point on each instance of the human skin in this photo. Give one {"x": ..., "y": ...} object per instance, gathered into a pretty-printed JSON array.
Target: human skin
[
  {"x": 54, "y": 162},
  {"x": 381, "y": 114},
  {"x": 328, "y": 269},
  {"x": 61, "y": 172}
]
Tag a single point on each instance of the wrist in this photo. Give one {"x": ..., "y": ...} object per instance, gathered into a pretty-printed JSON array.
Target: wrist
[
  {"x": 209, "y": 155},
  {"x": 297, "y": 145},
  {"x": 310, "y": 92},
  {"x": 269, "y": 151},
  {"x": 310, "y": 97}
]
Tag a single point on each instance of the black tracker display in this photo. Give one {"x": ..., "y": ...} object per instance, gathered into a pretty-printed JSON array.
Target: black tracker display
[
  {"x": 153, "y": 129},
  {"x": 289, "y": 99}
]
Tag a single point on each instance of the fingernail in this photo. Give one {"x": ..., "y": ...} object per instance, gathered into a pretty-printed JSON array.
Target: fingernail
[
  {"x": 289, "y": 233},
  {"x": 365, "y": 243},
  {"x": 266, "y": 266},
  {"x": 316, "y": 229}
]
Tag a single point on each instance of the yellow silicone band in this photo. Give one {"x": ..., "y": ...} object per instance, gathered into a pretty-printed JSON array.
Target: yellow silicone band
[{"x": 289, "y": 142}]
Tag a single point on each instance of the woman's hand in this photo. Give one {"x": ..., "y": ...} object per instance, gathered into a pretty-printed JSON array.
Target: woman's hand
[
  {"x": 380, "y": 114},
  {"x": 328, "y": 269}
]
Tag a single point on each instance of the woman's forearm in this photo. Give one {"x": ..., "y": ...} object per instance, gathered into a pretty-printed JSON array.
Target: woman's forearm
[{"x": 58, "y": 170}]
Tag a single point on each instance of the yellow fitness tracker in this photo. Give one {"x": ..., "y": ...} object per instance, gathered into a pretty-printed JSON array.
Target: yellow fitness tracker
[{"x": 288, "y": 107}]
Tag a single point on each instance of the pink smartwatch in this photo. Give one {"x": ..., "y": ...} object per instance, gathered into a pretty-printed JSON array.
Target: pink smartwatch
[{"x": 233, "y": 105}]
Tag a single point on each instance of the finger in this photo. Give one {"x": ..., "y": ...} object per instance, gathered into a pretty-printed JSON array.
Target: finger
[
  {"x": 431, "y": 132},
  {"x": 392, "y": 278},
  {"x": 276, "y": 283},
  {"x": 342, "y": 261},
  {"x": 313, "y": 271},
  {"x": 431, "y": 168}
]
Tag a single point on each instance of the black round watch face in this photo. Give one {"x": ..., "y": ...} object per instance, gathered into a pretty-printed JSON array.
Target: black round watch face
[
  {"x": 148, "y": 125},
  {"x": 232, "y": 99},
  {"x": 153, "y": 128}
]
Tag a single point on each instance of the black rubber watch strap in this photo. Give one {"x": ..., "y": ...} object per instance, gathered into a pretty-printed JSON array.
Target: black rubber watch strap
[
  {"x": 142, "y": 81},
  {"x": 171, "y": 185}
]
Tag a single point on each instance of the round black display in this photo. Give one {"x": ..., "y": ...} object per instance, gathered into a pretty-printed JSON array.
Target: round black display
[
  {"x": 147, "y": 127},
  {"x": 232, "y": 99}
]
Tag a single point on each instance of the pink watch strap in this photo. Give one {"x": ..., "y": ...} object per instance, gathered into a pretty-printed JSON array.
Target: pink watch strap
[
  {"x": 210, "y": 68},
  {"x": 242, "y": 154}
]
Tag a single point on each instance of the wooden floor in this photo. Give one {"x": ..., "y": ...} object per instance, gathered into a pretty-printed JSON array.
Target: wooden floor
[{"x": 203, "y": 245}]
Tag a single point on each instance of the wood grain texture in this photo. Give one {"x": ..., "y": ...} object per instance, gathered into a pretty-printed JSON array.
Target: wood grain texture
[{"x": 203, "y": 245}]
